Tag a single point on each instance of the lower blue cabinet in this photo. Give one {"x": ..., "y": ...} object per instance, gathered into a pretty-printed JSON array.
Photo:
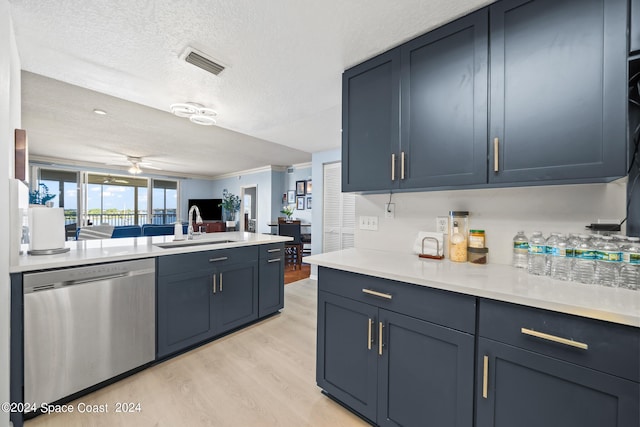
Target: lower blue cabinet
[
  {"x": 202, "y": 295},
  {"x": 517, "y": 387},
  {"x": 393, "y": 369}
]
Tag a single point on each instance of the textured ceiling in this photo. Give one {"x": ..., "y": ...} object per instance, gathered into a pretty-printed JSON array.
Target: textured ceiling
[{"x": 282, "y": 84}]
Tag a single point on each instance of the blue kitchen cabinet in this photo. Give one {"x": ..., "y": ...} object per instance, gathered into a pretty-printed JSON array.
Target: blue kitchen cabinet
[
  {"x": 444, "y": 108},
  {"x": 271, "y": 281},
  {"x": 203, "y": 294},
  {"x": 371, "y": 124},
  {"x": 548, "y": 76},
  {"x": 578, "y": 373},
  {"x": 390, "y": 367},
  {"x": 557, "y": 91},
  {"x": 347, "y": 361},
  {"x": 235, "y": 301},
  {"x": 425, "y": 374}
]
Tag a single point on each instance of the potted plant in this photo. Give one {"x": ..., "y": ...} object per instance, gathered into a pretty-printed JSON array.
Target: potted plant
[
  {"x": 288, "y": 211},
  {"x": 41, "y": 195},
  {"x": 231, "y": 205}
]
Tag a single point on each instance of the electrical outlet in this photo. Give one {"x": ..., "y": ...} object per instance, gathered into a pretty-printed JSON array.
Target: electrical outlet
[
  {"x": 373, "y": 224},
  {"x": 390, "y": 210},
  {"x": 442, "y": 223}
]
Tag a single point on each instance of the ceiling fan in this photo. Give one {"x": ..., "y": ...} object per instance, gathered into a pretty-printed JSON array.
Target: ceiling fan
[
  {"x": 111, "y": 180},
  {"x": 136, "y": 163}
]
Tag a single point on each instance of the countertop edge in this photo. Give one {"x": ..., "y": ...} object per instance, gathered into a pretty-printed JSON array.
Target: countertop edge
[
  {"x": 604, "y": 314},
  {"x": 90, "y": 252}
]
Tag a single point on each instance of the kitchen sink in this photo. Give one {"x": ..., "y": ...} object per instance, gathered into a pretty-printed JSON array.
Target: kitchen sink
[{"x": 187, "y": 243}]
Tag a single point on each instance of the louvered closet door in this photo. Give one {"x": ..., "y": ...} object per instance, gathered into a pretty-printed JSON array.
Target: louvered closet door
[{"x": 339, "y": 211}]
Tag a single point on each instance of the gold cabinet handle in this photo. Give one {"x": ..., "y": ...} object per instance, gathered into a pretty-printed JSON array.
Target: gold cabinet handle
[
  {"x": 214, "y": 284},
  {"x": 369, "y": 334},
  {"x": 376, "y": 293},
  {"x": 220, "y": 287},
  {"x": 554, "y": 338},
  {"x": 380, "y": 326},
  {"x": 393, "y": 167},
  {"x": 496, "y": 146},
  {"x": 402, "y": 165},
  {"x": 485, "y": 377}
]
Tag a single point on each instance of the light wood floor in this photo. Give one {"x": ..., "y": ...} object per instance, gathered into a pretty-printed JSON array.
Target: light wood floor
[{"x": 263, "y": 375}]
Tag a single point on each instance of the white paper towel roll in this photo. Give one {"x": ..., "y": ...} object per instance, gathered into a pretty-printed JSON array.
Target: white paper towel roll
[{"x": 46, "y": 226}]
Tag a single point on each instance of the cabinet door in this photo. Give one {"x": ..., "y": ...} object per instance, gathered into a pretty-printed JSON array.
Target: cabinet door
[
  {"x": 271, "y": 286},
  {"x": 236, "y": 297},
  {"x": 370, "y": 123},
  {"x": 558, "y": 90},
  {"x": 347, "y": 352},
  {"x": 526, "y": 389},
  {"x": 444, "y": 105},
  {"x": 184, "y": 310},
  {"x": 425, "y": 373}
]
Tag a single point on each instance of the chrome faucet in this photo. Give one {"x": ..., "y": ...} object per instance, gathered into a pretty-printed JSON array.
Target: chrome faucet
[{"x": 198, "y": 221}]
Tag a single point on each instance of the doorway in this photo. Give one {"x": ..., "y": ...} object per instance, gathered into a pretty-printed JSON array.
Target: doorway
[{"x": 249, "y": 208}]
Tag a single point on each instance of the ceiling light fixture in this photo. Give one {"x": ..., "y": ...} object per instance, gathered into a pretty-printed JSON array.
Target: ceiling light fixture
[
  {"x": 196, "y": 113},
  {"x": 99, "y": 112}
]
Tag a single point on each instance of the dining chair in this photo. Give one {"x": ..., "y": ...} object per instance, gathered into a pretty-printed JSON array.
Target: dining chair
[{"x": 293, "y": 248}]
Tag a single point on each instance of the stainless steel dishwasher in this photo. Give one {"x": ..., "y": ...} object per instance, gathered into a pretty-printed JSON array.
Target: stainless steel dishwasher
[{"x": 85, "y": 325}]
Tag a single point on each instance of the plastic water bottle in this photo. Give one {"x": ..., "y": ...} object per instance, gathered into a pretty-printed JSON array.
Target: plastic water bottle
[
  {"x": 548, "y": 250},
  {"x": 572, "y": 242},
  {"x": 560, "y": 262},
  {"x": 608, "y": 258},
  {"x": 583, "y": 266},
  {"x": 520, "y": 250},
  {"x": 630, "y": 268},
  {"x": 536, "y": 254}
]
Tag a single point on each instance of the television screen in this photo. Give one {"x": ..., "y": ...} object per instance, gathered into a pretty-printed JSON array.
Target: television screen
[{"x": 209, "y": 209}]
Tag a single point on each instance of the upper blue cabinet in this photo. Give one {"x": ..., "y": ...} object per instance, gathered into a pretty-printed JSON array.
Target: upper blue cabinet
[
  {"x": 444, "y": 107},
  {"x": 370, "y": 123},
  {"x": 520, "y": 93},
  {"x": 558, "y": 90}
]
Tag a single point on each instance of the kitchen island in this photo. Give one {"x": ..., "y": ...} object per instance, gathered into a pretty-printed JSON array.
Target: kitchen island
[
  {"x": 87, "y": 316},
  {"x": 402, "y": 339}
]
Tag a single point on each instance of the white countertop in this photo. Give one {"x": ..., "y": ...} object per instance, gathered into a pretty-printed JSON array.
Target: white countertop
[
  {"x": 84, "y": 252},
  {"x": 494, "y": 281}
]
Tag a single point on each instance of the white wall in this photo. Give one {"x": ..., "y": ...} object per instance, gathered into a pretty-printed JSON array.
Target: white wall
[
  {"x": 9, "y": 120},
  {"x": 500, "y": 212}
]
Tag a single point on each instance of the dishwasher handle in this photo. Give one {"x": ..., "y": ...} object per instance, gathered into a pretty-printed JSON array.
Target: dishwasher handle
[{"x": 95, "y": 279}]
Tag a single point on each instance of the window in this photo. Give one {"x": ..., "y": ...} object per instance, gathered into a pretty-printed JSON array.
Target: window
[
  {"x": 116, "y": 200},
  {"x": 64, "y": 185},
  {"x": 165, "y": 202}
]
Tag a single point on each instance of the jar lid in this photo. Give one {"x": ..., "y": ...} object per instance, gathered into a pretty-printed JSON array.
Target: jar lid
[
  {"x": 478, "y": 250},
  {"x": 459, "y": 213},
  {"x": 476, "y": 231}
]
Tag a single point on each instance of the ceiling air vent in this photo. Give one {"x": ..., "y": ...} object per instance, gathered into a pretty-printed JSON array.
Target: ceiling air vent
[{"x": 199, "y": 60}]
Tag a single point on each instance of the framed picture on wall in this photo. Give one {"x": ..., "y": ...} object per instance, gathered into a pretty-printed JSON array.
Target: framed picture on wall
[
  {"x": 291, "y": 197},
  {"x": 300, "y": 204},
  {"x": 301, "y": 188},
  {"x": 308, "y": 202},
  {"x": 309, "y": 187},
  {"x": 284, "y": 198}
]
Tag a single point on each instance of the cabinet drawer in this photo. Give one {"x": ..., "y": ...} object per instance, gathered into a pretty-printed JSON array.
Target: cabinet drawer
[
  {"x": 181, "y": 263},
  {"x": 610, "y": 347},
  {"x": 441, "y": 307},
  {"x": 271, "y": 251}
]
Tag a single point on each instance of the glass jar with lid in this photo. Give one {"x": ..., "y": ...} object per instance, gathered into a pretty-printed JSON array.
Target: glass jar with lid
[{"x": 458, "y": 235}]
